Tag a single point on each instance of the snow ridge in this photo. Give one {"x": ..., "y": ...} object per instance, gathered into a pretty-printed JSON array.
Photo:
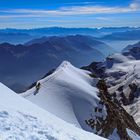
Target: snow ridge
[{"x": 69, "y": 93}]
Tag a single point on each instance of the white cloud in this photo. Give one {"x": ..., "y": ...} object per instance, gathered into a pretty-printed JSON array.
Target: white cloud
[
  {"x": 72, "y": 10},
  {"x": 135, "y": 5},
  {"x": 83, "y": 3},
  {"x": 103, "y": 18}
]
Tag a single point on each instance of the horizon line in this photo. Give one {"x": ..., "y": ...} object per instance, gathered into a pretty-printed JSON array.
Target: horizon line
[{"x": 10, "y": 28}]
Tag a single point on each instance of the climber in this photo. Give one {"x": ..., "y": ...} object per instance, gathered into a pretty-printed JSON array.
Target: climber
[{"x": 37, "y": 88}]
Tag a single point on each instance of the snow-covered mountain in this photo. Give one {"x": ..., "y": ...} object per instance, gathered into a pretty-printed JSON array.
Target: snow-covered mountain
[
  {"x": 71, "y": 94},
  {"x": 68, "y": 105},
  {"x": 122, "y": 75},
  {"x": 22, "y": 120}
]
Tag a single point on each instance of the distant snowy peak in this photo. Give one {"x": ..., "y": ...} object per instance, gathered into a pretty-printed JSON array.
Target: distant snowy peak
[
  {"x": 118, "y": 58},
  {"x": 132, "y": 53},
  {"x": 115, "y": 59}
]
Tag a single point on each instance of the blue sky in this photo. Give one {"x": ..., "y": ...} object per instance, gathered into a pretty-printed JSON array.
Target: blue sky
[{"x": 69, "y": 13}]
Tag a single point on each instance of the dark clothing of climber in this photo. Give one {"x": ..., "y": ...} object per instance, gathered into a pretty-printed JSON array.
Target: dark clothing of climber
[{"x": 37, "y": 88}]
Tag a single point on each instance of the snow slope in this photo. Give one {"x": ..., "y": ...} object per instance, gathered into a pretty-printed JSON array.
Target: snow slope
[
  {"x": 22, "y": 120},
  {"x": 69, "y": 93}
]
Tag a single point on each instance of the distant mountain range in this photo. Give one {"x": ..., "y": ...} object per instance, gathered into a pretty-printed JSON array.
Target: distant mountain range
[
  {"x": 24, "y": 64},
  {"x": 14, "y": 38},
  {"x": 17, "y": 36},
  {"x": 65, "y": 31},
  {"x": 127, "y": 35}
]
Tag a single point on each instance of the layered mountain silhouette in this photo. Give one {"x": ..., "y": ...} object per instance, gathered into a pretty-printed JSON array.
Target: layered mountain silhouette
[
  {"x": 126, "y": 35},
  {"x": 24, "y": 64},
  {"x": 132, "y": 47},
  {"x": 16, "y": 36}
]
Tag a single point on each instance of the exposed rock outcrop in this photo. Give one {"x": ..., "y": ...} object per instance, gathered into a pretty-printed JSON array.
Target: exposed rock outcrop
[{"x": 116, "y": 118}]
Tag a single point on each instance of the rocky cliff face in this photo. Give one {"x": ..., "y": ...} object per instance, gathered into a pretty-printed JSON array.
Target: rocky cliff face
[
  {"x": 119, "y": 93},
  {"x": 117, "y": 119}
]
